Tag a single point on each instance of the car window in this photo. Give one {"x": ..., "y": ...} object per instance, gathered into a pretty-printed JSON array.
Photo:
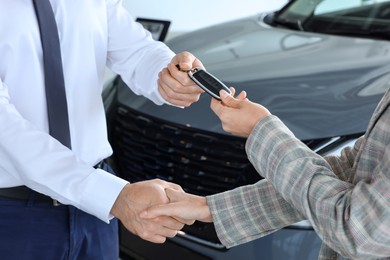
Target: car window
[
  {"x": 337, "y": 5},
  {"x": 367, "y": 18}
]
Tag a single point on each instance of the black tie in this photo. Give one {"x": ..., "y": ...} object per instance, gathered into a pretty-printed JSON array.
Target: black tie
[{"x": 54, "y": 78}]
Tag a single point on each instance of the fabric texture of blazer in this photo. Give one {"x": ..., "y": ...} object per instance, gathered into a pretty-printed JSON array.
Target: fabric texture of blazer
[{"x": 346, "y": 198}]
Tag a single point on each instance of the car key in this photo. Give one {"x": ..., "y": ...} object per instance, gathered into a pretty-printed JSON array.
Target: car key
[{"x": 206, "y": 81}]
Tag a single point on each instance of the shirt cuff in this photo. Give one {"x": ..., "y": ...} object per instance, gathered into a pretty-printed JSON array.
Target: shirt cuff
[{"x": 101, "y": 193}]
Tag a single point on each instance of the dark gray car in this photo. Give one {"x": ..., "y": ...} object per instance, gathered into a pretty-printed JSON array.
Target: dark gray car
[{"x": 320, "y": 66}]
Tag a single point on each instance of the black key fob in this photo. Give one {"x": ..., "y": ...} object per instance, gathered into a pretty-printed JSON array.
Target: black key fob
[{"x": 207, "y": 82}]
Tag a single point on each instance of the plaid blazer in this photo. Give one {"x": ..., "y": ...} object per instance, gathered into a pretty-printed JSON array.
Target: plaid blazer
[{"x": 346, "y": 198}]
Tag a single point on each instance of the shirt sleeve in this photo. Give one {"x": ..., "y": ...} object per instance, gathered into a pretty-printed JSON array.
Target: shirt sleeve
[
  {"x": 133, "y": 54},
  {"x": 33, "y": 158},
  {"x": 352, "y": 219}
]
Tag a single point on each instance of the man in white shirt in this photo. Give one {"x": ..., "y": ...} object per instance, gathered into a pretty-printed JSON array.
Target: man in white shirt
[{"x": 93, "y": 35}]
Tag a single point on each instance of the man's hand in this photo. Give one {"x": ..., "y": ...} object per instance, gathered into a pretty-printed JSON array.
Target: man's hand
[
  {"x": 135, "y": 198},
  {"x": 183, "y": 206},
  {"x": 175, "y": 86},
  {"x": 238, "y": 115}
]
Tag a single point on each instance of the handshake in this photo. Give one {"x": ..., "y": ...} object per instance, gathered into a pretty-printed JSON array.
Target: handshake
[{"x": 156, "y": 209}]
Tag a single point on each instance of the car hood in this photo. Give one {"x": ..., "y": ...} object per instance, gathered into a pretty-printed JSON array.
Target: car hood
[{"x": 319, "y": 85}]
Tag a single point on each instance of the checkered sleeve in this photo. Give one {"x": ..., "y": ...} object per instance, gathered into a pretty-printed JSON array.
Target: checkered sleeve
[
  {"x": 250, "y": 212},
  {"x": 342, "y": 165},
  {"x": 352, "y": 219}
]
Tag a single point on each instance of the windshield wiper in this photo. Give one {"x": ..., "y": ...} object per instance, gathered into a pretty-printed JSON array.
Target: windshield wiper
[{"x": 296, "y": 25}]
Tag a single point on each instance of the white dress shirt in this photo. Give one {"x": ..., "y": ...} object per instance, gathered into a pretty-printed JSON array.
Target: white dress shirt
[{"x": 93, "y": 34}]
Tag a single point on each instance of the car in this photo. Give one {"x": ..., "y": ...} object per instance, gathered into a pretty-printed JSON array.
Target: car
[{"x": 320, "y": 66}]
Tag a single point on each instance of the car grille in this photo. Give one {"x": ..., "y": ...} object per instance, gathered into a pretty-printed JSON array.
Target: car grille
[{"x": 202, "y": 163}]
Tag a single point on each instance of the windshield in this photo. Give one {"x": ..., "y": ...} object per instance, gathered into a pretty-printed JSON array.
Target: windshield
[{"x": 353, "y": 17}]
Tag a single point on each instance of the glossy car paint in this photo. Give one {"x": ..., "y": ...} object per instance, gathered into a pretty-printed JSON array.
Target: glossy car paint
[{"x": 319, "y": 85}]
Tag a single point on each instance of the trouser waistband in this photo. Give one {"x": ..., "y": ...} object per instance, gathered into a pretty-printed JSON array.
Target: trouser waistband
[{"x": 24, "y": 193}]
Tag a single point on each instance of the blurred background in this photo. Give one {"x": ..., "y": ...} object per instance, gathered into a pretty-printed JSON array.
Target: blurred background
[{"x": 188, "y": 16}]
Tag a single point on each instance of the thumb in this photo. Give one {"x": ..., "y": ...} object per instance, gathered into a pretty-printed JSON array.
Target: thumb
[
  {"x": 157, "y": 210},
  {"x": 169, "y": 209},
  {"x": 185, "y": 60},
  {"x": 229, "y": 100},
  {"x": 173, "y": 195}
]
